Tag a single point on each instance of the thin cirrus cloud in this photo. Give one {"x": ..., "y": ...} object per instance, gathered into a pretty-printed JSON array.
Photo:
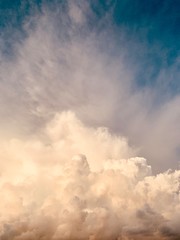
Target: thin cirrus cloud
[{"x": 77, "y": 127}]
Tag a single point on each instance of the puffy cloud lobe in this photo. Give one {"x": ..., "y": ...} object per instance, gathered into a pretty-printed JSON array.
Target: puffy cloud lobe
[{"x": 51, "y": 191}]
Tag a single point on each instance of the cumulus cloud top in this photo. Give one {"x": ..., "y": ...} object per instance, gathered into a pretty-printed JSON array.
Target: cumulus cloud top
[{"x": 51, "y": 191}]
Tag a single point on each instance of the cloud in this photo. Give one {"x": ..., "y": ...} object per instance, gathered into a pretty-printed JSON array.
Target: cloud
[
  {"x": 77, "y": 130},
  {"x": 46, "y": 193},
  {"x": 65, "y": 64}
]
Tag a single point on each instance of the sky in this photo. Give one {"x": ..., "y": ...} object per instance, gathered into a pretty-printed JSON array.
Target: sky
[{"x": 89, "y": 119}]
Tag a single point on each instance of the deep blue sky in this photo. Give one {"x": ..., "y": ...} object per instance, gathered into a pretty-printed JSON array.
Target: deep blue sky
[
  {"x": 152, "y": 23},
  {"x": 151, "y": 20}
]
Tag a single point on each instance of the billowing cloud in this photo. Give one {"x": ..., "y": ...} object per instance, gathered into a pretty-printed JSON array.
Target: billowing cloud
[
  {"x": 51, "y": 190},
  {"x": 77, "y": 130}
]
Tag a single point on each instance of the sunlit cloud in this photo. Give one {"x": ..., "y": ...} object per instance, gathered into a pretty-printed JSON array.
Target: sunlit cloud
[{"x": 86, "y": 151}]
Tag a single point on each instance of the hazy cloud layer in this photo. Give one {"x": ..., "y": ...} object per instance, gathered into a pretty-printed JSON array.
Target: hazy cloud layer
[{"x": 64, "y": 64}]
